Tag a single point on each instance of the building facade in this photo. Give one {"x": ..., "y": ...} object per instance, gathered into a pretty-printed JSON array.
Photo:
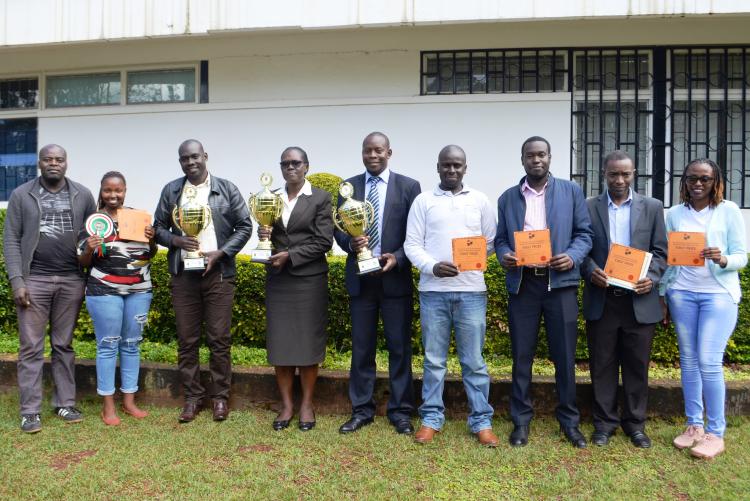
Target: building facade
[{"x": 121, "y": 83}]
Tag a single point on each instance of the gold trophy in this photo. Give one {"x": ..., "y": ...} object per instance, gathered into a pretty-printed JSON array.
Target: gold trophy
[
  {"x": 266, "y": 208},
  {"x": 354, "y": 217},
  {"x": 192, "y": 218}
]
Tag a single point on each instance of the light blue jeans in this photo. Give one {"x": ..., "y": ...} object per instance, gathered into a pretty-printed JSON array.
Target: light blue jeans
[
  {"x": 466, "y": 313},
  {"x": 704, "y": 322},
  {"x": 118, "y": 325}
]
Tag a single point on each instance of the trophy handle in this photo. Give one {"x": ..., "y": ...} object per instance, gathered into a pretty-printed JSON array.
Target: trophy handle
[
  {"x": 336, "y": 222},
  {"x": 369, "y": 213},
  {"x": 174, "y": 218},
  {"x": 207, "y": 216},
  {"x": 251, "y": 204}
]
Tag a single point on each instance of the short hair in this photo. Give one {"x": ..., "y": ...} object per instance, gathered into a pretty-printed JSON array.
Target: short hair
[
  {"x": 187, "y": 142},
  {"x": 534, "y": 139},
  {"x": 616, "y": 156},
  {"x": 717, "y": 188},
  {"x": 299, "y": 150},
  {"x": 377, "y": 134},
  {"x": 449, "y": 148},
  {"x": 46, "y": 147},
  {"x": 108, "y": 175}
]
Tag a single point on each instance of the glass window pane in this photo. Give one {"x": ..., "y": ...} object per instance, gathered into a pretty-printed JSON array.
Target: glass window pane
[
  {"x": 162, "y": 86},
  {"x": 23, "y": 93},
  {"x": 478, "y": 72},
  {"x": 83, "y": 90}
]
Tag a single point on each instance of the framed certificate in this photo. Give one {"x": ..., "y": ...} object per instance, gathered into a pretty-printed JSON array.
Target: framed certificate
[
  {"x": 132, "y": 223},
  {"x": 470, "y": 253},
  {"x": 626, "y": 265},
  {"x": 533, "y": 248},
  {"x": 684, "y": 248}
]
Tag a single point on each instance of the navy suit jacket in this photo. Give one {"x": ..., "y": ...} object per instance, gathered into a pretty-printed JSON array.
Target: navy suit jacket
[
  {"x": 399, "y": 196},
  {"x": 648, "y": 233}
]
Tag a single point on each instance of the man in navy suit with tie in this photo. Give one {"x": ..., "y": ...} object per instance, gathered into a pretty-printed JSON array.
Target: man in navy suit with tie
[{"x": 386, "y": 293}]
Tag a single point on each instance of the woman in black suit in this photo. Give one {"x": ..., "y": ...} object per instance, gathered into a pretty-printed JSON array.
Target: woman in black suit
[{"x": 297, "y": 287}]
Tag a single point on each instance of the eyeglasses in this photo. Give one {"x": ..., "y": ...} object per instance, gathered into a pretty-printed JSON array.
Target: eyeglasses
[
  {"x": 295, "y": 164},
  {"x": 702, "y": 179}
]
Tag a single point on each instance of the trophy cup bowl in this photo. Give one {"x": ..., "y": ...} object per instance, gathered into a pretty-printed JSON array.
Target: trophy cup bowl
[
  {"x": 265, "y": 207},
  {"x": 192, "y": 218},
  {"x": 354, "y": 218}
]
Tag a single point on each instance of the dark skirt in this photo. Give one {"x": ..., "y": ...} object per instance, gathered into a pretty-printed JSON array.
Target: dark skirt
[{"x": 296, "y": 318}]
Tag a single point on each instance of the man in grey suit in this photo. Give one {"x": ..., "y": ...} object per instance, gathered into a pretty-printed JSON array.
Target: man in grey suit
[{"x": 620, "y": 323}]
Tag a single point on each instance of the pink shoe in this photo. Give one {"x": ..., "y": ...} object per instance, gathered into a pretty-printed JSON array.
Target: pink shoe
[
  {"x": 708, "y": 448},
  {"x": 689, "y": 437}
]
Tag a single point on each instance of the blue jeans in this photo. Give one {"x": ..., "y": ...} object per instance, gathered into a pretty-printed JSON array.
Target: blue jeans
[
  {"x": 466, "y": 312},
  {"x": 704, "y": 323},
  {"x": 118, "y": 325}
]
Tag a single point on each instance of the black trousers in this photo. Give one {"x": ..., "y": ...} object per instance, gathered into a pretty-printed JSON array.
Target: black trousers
[
  {"x": 396, "y": 313},
  {"x": 199, "y": 300},
  {"x": 617, "y": 341},
  {"x": 560, "y": 309}
]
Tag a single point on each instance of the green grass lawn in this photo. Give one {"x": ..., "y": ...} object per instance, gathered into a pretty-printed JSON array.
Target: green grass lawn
[
  {"x": 243, "y": 458},
  {"x": 499, "y": 366}
]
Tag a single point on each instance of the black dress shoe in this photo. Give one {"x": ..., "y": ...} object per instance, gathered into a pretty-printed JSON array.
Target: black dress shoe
[
  {"x": 354, "y": 424},
  {"x": 640, "y": 439},
  {"x": 601, "y": 438},
  {"x": 306, "y": 425},
  {"x": 281, "y": 424},
  {"x": 574, "y": 436},
  {"x": 403, "y": 427},
  {"x": 519, "y": 437}
]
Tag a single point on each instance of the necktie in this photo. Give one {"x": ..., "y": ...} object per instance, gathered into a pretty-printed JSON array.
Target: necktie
[{"x": 372, "y": 197}]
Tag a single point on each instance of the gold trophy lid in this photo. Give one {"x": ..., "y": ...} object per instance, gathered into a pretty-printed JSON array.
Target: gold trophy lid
[
  {"x": 346, "y": 190},
  {"x": 266, "y": 179}
]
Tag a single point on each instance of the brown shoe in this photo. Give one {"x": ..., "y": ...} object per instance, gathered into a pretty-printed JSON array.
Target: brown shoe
[
  {"x": 425, "y": 434},
  {"x": 221, "y": 411},
  {"x": 487, "y": 438},
  {"x": 189, "y": 411}
]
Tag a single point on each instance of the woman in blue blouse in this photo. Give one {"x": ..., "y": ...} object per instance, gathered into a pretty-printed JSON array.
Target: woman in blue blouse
[{"x": 703, "y": 301}]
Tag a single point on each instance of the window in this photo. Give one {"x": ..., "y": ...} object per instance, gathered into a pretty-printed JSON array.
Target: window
[
  {"x": 21, "y": 93},
  {"x": 612, "y": 108},
  {"x": 493, "y": 71},
  {"x": 710, "y": 116},
  {"x": 83, "y": 90},
  {"x": 163, "y": 86},
  {"x": 17, "y": 153}
]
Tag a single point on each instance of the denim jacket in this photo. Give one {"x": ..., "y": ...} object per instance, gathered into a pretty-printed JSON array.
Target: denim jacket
[
  {"x": 568, "y": 222},
  {"x": 725, "y": 230},
  {"x": 229, "y": 214}
]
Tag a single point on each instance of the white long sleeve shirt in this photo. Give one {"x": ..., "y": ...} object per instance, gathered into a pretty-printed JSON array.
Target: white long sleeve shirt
[{"x": 435, "y": 219}]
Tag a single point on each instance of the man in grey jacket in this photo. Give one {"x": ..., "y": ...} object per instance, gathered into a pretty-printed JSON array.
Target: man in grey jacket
[
  {"x": 42, "y": 223},
  {"x": 203, "y": 296}
]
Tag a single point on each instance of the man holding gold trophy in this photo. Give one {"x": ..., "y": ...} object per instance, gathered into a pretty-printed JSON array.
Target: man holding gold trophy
[
  {"x": 204, "y": 222},
  {"x": 376, "y": 291}
]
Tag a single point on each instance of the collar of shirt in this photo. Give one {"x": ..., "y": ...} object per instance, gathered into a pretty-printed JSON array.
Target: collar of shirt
[
  {"x": 204, "y": 184},
  {"x": 438, "y": 191},
  {"x": 627, "y": 202},
  {"x": 526, "y": 188},
  {"x": 306, "y": 190},
  {"x": 384, "y": 176}
]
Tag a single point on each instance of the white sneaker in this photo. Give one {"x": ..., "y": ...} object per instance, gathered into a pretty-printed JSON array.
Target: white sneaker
[
  {"x": 689, "y": 437},
  {"x": 708, "y": 448}
]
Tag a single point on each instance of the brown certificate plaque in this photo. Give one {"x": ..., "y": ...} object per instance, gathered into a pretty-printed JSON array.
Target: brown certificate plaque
[
  {"x": 131, "y": 224},
  {"x": 684, "y": 248},
  {"x": 533, "y": 248},
  {"x": 470, "y": 253}
]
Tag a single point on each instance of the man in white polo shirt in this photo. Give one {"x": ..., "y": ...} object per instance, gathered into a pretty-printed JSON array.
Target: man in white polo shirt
[{"x": 449, "y": 298}]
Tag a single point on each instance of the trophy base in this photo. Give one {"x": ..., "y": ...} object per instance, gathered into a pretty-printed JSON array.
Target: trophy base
[
  {"x": 194, "y": 263},
  {"x": 368, "y": 266},
  {"x": 260, "y": 256}
]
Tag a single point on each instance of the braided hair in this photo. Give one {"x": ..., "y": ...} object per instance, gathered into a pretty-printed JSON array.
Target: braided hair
[
  {"x": 109, "y": 175},
  {"x": 717, "y": 187}
]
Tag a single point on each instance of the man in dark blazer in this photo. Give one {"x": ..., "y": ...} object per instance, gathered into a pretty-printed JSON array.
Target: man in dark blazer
[
  {"x": 620, "y": 323},
  {"x": 387, "y": 293}
]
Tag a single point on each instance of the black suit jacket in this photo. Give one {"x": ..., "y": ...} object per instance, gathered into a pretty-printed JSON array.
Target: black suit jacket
[
  {"x": 648, "y": 233},
  {"x": 399, "y": 196},
  {"x": 307, "y": 236}
]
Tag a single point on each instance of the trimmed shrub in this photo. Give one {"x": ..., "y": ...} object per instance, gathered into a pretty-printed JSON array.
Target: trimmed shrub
[
  {"x": 248, "y": 326},
  {"x": 327, "y": 182}
]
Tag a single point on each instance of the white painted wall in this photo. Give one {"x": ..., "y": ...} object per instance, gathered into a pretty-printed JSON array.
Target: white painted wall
[{"x": 242, "y": 143}]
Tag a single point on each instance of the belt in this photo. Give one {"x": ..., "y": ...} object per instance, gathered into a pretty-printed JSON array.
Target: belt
[
  {"x": 618, "y": 291},
  {"x": 536, "y": 272}
]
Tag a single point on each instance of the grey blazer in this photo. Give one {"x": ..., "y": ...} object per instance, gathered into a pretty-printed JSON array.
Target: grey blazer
[{"x": 648, "y": 233}]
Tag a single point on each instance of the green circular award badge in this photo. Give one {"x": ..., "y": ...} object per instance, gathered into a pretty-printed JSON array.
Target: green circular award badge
[{"x": 100, "y": 225}]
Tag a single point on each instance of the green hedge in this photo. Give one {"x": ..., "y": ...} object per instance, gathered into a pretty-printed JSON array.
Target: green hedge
[{"x": 249, "y": 313}]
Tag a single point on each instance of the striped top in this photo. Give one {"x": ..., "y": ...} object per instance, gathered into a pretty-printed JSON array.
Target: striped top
[{"x": 536, "y": 216}]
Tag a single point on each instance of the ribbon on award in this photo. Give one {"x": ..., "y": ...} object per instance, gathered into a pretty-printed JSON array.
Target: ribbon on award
[{"x": 101, "y": 225}]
